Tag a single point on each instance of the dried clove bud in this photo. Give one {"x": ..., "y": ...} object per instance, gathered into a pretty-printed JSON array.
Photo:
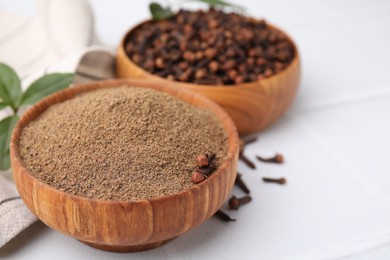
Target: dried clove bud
[
  {"x": 159, "y": 63},
  {"x": 235, "y": 203},
  {"x": 246, "y": 160},
  {"x": 213, "y": 66},
  {"x": 280, "y": 181},
  {"x": 197, "y": 177},
  {"x": 250, "y": 140},
  {"x": 206, "y": 171},
  {"x": 241, "y": 184},
  {"x": 210, "y": 53},
  {"x": 211, "y": 157},
  {"x": 244, "y": 142},
  {"x": 200, "y": 73},
  {"x": 189, "y": 56},
  {"x": 278, "y": 158},
  {"x": 223, "y": 216},
  {"x": 202, "y": 161},
  {"x": 239, "y": 79}
]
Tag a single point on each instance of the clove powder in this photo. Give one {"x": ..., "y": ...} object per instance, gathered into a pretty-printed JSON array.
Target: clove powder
[{"x": 122, "y": 143}]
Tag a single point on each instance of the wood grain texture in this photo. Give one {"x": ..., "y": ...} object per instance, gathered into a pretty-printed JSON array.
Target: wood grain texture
[
  {"x": 253, "y": 106},
  {"x": 125, "y": 226}
]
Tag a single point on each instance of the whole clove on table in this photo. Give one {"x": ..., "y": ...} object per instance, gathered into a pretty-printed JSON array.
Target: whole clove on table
[
  {"x": 242, "y": 156},
  {"x": 223, "y": 216},
  {"x": 278, "y": 158},
  {"x": 275, "y": 180},
  {"x": 235, "y": 203},
  {"x": 241, "y": 184}
]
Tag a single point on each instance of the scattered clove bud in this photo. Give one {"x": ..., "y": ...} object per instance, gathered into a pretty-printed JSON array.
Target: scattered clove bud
[
  {"x": 241, "y": 145},
  {"x": 202, "y": 161},
  {"x": 246, "y": 160},
  {"x": 243, "y": 142},
  {"x": 222, "y": 215},
  {"x": 197, "y": 177},
  {"x": 250, "y": 140},
  {"x": 278, "y": 158},
  {"x": 280, "y": 181},
  {"x": 242, "y": 156},
  {"x": 235, "y": 203},
  {"x": 241, "y": 184}
]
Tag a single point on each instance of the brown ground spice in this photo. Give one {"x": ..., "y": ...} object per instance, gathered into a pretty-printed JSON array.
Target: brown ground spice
[{"x": 121, "y": 144}]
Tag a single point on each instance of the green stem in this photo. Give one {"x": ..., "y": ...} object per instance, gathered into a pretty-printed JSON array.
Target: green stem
[{"x": 15, "y": 110}]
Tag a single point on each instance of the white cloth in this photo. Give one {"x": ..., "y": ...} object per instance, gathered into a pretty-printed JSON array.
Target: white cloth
[
  {"x": 28, "y": 44},
  {"x": 14, "y": 215},
  {"x": 59, "y": 28}
]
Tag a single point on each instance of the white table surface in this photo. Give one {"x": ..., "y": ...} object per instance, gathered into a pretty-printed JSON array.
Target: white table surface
[{"x": 335, "y": 139}]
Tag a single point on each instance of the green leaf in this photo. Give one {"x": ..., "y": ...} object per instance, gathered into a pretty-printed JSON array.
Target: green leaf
[
  {"x": 219, "y": 3},
  {"x": 158, "y": 12},
  {"x": 10, "y": 89},
  {"x": 6, "y": 127},
  {"x": 45, "y": 86},
  {"x": 3, "y": 105}
]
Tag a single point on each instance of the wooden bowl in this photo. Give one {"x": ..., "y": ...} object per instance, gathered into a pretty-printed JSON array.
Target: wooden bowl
[
  {"x": 253, "y": 106},
  {"x": 125, "y": 226}
]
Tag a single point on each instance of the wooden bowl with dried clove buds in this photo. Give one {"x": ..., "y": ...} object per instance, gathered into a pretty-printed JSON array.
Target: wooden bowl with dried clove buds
[
  {"x": 254, "y": 101},
  {"x": 115, "y": 225}
]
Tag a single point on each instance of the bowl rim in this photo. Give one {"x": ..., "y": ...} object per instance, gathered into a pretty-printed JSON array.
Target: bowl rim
[
  {"x": 121, "y": 51},
  {"x": 55, "y": 98}
]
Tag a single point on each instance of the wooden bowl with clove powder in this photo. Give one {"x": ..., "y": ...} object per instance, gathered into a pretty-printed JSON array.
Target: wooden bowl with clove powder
[
  {"x": 111, "y": 163},
  {"x": 256, "y": 90}
]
